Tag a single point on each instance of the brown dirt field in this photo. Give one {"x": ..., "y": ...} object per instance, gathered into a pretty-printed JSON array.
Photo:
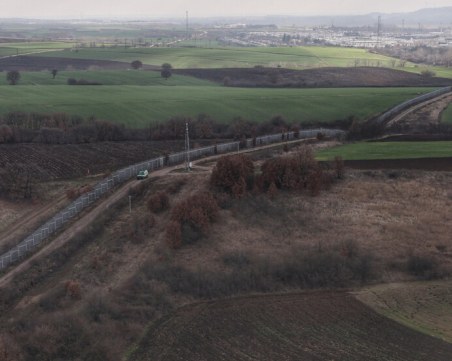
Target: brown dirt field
[
  {"x": 311, "y": 326},
  {"x": 321, "y": 77},
  {"x": 66, "y": 161},
  {"x": 37, "y": 63}
]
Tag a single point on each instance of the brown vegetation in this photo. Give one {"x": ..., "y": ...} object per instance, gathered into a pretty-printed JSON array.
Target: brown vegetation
[{"x": 366, "y": 228}]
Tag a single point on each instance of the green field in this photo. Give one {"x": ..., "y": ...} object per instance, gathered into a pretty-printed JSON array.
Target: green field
[
  {"x": 137, "y": 106},
  {"x": 296, "y": 57},
  {"x": 7, "y": 49},
  {"x": 388, "y": 150},
  {"x": 446, "y": 117}
]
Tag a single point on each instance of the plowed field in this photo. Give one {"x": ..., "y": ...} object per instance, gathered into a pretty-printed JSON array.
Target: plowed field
[
  {"x": 74, "y": 160},
  {"x": 308, "y": 326}
]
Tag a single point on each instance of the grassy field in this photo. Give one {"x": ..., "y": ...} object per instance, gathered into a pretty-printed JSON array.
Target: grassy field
[
  {"x": 7, "y": 49},
  {"x": 423, "y": 306},
  {"x": 446, "y": 117},
  {"x": 137, "y": 106},
  {"x": 296, "y": 57},
  {"x": 388, "y": 150}
]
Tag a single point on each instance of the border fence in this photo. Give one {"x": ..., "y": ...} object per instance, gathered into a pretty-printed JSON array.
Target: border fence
[
  {"x": 57, "y": 222},
  {"x": 409, "y": 103}
]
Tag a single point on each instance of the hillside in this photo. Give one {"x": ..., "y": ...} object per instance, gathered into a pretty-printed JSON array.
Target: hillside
[{"x": 95, "y": 296}]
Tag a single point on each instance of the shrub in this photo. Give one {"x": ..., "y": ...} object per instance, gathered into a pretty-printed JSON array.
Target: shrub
[
  {"x": 173, "y": 235},
  {"x": 422, "y": 267},
  {"x": 158, "y": 202},
  {"x": 233, "y": 174},
  {"x": 191, "y": 218},
  {"x": 73, "y": 289},
  {"x": 71, "y": 81},
  {"x": 136, "y": 64},
  {"x": 289, "y": 172},
  {"x": 427, "y": 73}
]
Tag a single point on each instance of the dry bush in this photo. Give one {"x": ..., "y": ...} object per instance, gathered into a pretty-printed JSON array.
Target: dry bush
[
  {"x": 159, "y": 202},
  {"x": 176, "y": 186},
  {"x": 173, "y": 235},
  {"x": 9, "y": 349},
  {"x": 296, "y": 172},
  {"x": 73, "y": 289},
  {"x": 191, "y": 218},
  {"x": 233, "y": 174},
  {"x": 72, "y": 194}
]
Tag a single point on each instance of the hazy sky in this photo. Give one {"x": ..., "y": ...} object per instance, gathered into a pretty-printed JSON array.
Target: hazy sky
[{"x": 202, "y": 8}]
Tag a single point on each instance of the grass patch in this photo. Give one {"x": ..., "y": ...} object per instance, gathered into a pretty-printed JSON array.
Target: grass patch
[
  {"x": 446, "y": 116},
  {"x": 388, "y": 150}
]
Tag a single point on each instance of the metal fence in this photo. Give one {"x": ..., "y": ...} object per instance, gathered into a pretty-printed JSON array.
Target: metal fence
[
  {"x": 55, "y": 223},
  {"x": 409, "y": 103}
]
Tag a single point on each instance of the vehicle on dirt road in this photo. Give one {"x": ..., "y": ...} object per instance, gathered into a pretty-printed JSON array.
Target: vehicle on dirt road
[{"x": 142, "y": 174}]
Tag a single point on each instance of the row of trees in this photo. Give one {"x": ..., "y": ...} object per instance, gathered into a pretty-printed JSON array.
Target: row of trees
[
  {"x": 420, "y": 54},
  {"x": 61, "y": 128},
  {"x": 13, "y": 76},
  {"x": 236, "y": 175}
]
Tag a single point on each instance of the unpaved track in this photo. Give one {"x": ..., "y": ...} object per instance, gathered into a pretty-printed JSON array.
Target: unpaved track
[
  {"x": 30, "y": 220},
  {"x": 412, "y": 109}
]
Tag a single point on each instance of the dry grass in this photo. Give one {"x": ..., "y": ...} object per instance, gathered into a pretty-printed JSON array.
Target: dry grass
[{"x": 389, "y": 217}]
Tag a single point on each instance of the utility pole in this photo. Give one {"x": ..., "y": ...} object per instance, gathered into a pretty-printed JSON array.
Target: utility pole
[
  {"x": 379, "y": 30},
  {"x": 187, "y": 148},
  {"x": 186, "y": 25}
]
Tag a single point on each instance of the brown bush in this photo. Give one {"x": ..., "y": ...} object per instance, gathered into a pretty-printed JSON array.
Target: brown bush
[
  {"x": 191, "y": 218},
  {"x": 73, "y": 289},
  {"x": 158, "y": 202},
  {"x": 289, "y": 172},
  {"x": 174, "y": 235},
  {"x": 233, "y": 174},
  {"x": 9, "y": 350}
]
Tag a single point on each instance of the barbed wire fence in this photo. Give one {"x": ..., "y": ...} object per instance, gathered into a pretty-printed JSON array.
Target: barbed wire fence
[{"x": 55, "y": 223}]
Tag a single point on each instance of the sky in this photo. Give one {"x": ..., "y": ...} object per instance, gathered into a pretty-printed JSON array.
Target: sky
[{"x": 76, "y": 9}]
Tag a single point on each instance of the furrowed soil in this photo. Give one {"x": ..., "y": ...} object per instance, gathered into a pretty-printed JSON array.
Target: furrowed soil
[
  {"x": 311, "y": 326},
  {"x": 36, "y": 63},
  {"x": 67, "y": 161},
  {"x": 321, "y": 77}
]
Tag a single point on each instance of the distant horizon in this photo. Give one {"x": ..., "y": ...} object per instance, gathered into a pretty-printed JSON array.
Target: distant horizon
[{"x": 202, "y": 9}]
